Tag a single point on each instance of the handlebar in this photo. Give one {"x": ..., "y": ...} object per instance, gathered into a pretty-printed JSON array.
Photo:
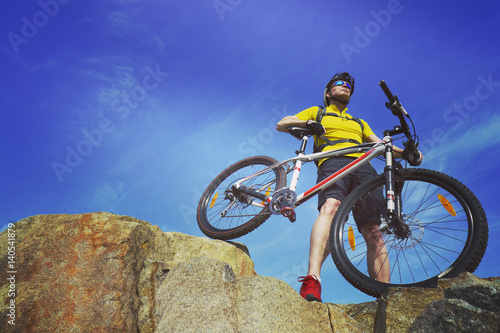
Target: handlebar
[
  {"x": 397, "y": 109},
  {"x": 387, "y": 92},
  {"x": 410, "y": 153}
]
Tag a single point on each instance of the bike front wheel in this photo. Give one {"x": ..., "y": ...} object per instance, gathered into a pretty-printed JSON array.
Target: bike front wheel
[
  {"x": 225, "y": 213},
  {"x": 445, "y": 233}
]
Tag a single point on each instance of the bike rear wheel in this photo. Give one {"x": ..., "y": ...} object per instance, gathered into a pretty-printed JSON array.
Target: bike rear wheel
[
  {"x": 224, "y": 213},
  {"x": 447, "y": 233}
]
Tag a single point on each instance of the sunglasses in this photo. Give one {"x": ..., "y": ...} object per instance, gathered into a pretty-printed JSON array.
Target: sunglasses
[{"x": 341, "y": 83}]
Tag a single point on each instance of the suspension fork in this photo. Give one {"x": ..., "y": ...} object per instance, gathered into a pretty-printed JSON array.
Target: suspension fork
[
  {"x": 394, "y": 185},
  {"x": 390, "y": 190}
]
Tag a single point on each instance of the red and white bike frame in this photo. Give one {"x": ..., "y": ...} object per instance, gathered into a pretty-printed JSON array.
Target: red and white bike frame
[{"x": 371, "y": 150}]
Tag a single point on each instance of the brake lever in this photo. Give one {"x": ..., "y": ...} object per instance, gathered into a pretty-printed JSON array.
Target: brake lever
[
  {"x": 400, "y": 106},
  {"x": 396, "y": 106}
]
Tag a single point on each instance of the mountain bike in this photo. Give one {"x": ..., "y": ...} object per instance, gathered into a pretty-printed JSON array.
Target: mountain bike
[{"x": 432, "y": 225}]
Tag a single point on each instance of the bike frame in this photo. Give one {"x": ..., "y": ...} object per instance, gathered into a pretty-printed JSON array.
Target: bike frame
[{"x": 370, "y": 150}]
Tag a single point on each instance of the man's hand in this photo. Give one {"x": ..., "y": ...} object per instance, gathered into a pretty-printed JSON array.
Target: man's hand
[
  {"x": 414, "y": 158},
  {"x": 315, "y": 127}
]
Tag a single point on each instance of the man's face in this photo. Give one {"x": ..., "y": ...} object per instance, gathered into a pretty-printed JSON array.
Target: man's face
[{"x": 340, "y": 91}]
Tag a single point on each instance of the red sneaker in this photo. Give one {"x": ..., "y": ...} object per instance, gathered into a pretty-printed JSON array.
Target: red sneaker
[{"x": 311, "y": 288}]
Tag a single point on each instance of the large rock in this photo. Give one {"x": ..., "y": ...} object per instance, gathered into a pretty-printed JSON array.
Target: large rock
[
  {"x": 470, "y": 304},
  {"x": 203, "y": 295},
  {"x": 96, "y": 272},
  {"x": 363, "y": 313},
  {"x": 107, "y": 273},
  {"x": 455, "y": 315},
  {"x": 398, "y": 307},
  {"x": 462, "y": 304},
  {"x": 77, "y": 273},
  {"x": 481, "y": 293}
]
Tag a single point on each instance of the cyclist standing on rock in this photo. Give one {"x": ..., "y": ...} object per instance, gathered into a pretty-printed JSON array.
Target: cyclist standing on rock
[
  {"x": 337, "y": 129},
  {"x": 407, "y": 213}
]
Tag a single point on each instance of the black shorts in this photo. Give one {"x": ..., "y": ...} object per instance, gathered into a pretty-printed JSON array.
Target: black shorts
[{"x": 341, "y": 189}]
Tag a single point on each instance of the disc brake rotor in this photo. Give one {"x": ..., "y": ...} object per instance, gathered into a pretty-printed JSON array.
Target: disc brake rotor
[{"x": 414, "y": 237}]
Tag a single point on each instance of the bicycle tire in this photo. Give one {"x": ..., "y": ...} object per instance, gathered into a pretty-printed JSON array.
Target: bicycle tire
[
  {"x": 235, "y": 225},
  {"x": 448, "y": 236}
]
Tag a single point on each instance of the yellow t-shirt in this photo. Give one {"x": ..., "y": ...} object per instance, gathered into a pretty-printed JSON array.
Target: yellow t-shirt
[{"x": 338, "y": 128}]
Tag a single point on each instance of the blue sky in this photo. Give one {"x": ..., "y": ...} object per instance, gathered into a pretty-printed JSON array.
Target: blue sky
[{"x": 132, "y": 107}]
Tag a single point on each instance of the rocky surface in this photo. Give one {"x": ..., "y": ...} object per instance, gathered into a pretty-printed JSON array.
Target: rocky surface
[{"x": 107, "y": 273}]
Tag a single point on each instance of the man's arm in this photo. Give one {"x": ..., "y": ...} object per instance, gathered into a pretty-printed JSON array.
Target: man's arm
[
  {"x": 398, "y": 152},
  {"x": 283, "y": 124}
]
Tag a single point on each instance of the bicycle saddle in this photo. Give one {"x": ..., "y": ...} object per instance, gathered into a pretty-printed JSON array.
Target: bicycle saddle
[{"x": 299, "y": 132}]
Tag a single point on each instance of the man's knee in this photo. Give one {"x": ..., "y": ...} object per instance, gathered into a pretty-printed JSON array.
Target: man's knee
[
  {"x": 370, "y": 230},
  {"x": 330, "y": 206}
]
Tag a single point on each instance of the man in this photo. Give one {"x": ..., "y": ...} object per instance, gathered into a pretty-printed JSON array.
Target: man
[{"x": 339, "y": 130}]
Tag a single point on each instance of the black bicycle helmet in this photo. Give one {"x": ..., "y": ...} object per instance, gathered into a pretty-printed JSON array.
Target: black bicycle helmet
[{"x": 339, "y": 76}]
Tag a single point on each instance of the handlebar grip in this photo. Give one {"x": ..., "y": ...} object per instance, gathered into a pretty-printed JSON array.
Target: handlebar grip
[
  {"x": 415, "y": 158},
  {"x": 411, "y": 153},
  {"x": 387, "y": 92}
]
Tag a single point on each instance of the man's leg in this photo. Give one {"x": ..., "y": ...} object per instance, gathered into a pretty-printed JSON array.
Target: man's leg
[
  {"x": 319, "y": 247},
  {"x": 377, "y": 256}
]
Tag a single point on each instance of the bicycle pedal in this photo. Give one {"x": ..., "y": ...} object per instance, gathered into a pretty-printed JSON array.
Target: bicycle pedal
[{"x": 289, "y": 213}]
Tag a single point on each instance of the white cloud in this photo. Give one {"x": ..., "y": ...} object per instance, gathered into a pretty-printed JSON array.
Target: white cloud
[
  {"x": 107, "y": 196},
  {"x": 465, "y": 144},
  {"x": 119, "y": 23}
]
